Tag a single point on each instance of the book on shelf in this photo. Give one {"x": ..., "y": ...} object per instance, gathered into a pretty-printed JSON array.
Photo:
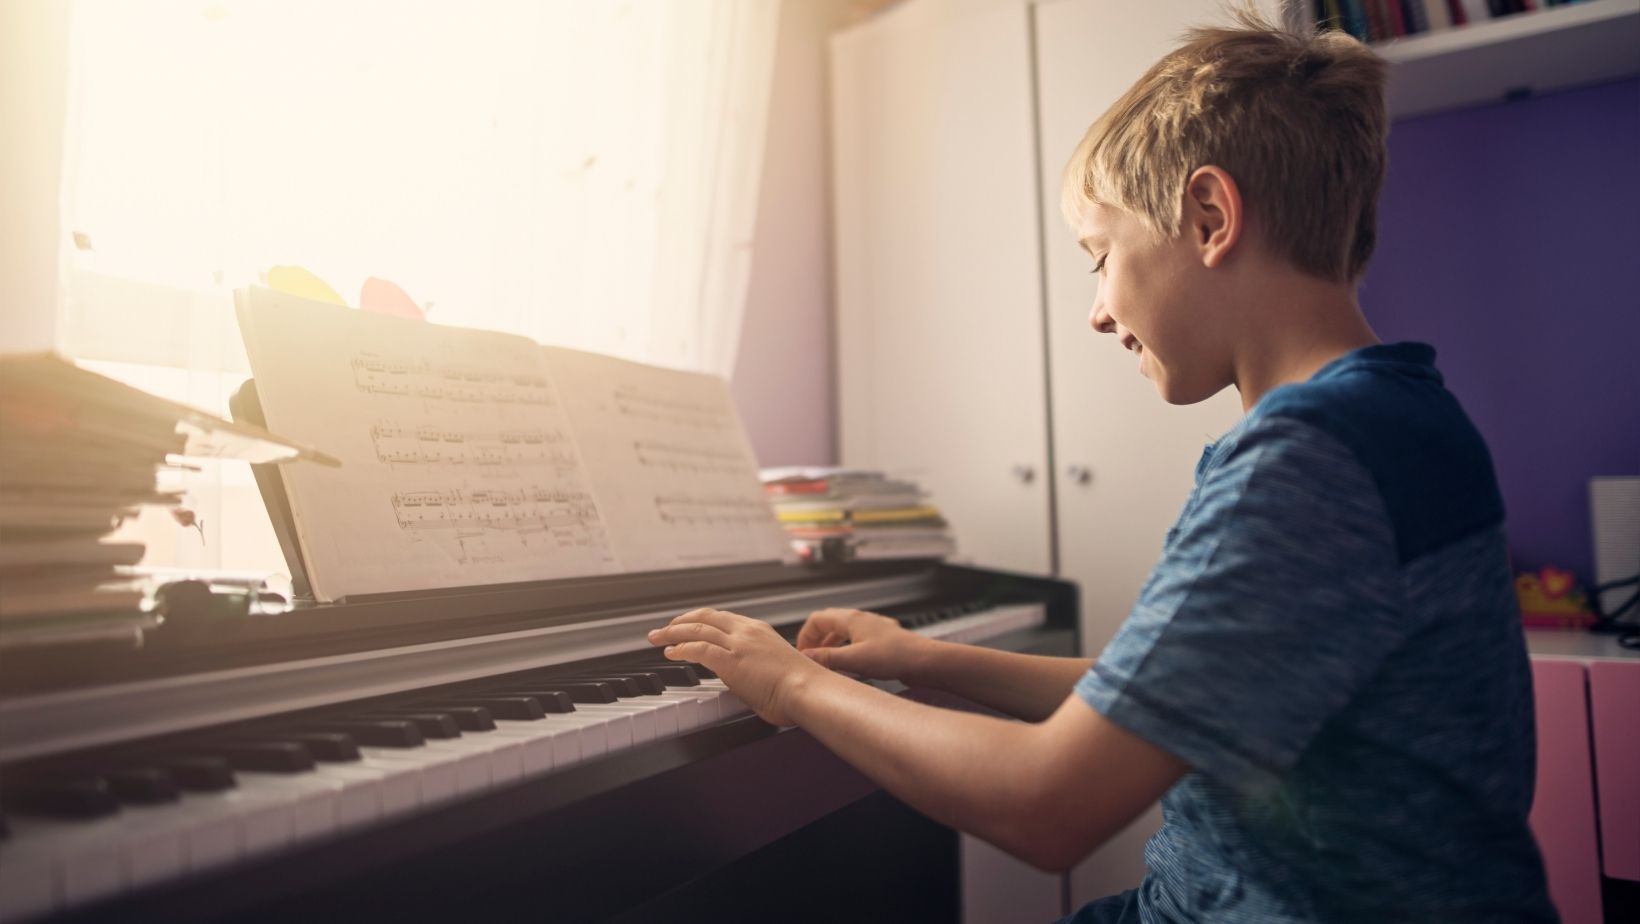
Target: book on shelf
[{"x": 1383, "y": 20}]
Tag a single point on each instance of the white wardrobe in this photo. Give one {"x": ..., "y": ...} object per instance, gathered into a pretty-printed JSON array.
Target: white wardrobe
[{"x": 964, "y": 351}]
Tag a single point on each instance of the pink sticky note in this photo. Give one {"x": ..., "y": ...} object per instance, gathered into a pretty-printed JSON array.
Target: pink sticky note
[{"x": 384, "y": 297}]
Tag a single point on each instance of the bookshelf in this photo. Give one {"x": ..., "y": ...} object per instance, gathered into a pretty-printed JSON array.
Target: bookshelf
[{"x": 1534, "y": 52}]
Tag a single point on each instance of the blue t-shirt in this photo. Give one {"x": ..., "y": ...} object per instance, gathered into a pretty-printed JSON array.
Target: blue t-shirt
[{"x": 1331, "y": 642}]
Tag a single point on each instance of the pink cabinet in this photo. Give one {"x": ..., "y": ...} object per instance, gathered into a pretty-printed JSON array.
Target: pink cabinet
[{"x": 1586, "y": 811}]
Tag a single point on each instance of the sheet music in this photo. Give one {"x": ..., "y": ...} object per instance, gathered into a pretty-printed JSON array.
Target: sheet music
[
  {"x": 458, "y": 463},
  {"x": 671, "y": 466}
]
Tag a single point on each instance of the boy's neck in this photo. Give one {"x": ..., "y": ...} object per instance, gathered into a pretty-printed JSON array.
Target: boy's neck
[{"x": 1298, "y": 326}]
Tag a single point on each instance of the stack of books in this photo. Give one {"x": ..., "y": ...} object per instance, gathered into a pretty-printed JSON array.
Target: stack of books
[
  {"x": 1382, "y": 20},
  {"x": 80, "y": 452},
  {"x": 833, "y": 514}
]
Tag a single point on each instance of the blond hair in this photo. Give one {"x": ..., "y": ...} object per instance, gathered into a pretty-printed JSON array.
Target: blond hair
[{"x": 1296, "y": 117}]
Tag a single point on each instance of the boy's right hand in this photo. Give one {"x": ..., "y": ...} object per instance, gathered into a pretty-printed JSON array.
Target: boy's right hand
[{"x": 876, "y": 646}]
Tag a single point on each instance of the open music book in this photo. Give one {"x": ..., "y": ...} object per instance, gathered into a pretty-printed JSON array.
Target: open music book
[{"x": 473, "y": 457}]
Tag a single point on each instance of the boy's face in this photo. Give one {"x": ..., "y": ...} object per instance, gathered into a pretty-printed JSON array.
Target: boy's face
[{"x": 1154, "y": 297}]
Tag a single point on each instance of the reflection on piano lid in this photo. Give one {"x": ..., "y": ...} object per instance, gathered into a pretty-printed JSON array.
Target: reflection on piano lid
[{"x": 520, "y": 740}]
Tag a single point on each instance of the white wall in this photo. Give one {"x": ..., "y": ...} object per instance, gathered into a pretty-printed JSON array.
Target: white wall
[
  {"x": 783, "y": 373},
  {"x": 33, "y": 94}
]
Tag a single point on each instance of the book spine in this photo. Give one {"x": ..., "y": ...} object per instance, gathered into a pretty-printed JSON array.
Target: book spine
[
  {"x": 1475, "y": 10},
  {"x": 1438, "y": 14},
  {"x": 1355, "y": 19},
  {"x": 1397, "y": 23},
  {"x": 1416, "y": 19}
]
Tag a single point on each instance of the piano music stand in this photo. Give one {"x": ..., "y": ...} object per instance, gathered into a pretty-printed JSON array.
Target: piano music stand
[{"x": 246, "y": 407}]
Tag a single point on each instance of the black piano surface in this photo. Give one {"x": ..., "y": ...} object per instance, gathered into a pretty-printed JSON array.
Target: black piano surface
[{"x": 736, "y": 820}]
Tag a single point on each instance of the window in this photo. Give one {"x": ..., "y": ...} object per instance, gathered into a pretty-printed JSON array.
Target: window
[{"x": 582, "y": 173}]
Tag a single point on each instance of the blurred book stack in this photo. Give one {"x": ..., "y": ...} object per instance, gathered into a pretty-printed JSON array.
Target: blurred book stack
[
  {"x": 834, "y": 514},
  {"x": 79, "y": 452}
]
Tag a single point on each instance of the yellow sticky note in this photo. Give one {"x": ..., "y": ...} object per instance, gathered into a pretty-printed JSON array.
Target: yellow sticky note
[{"x": 294, "y": 280}]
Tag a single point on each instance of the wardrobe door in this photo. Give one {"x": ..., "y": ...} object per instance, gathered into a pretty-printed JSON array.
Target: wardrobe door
[{"x": 939, "y": 322}]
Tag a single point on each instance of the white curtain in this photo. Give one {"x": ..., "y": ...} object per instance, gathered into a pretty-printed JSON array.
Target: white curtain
[{"x": 582, "y": 172}]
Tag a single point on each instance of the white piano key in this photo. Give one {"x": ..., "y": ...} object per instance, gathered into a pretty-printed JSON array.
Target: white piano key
[
  {"x": 616, "y": 723},
  {"x": 28, "y": 882},
  {"x": 659, "y": 713},
  {"x": 595, "y": 732},
  {"x": 445, "y": 772},
  {"x": 707, "y": 705},
  {"x": 628, "y": 726},
  {"x": 398, "y": 789},
  {"x": 313, "y": 806},
  {"x": 543, "y": 744},
  {"x": 689, "y": 709}
]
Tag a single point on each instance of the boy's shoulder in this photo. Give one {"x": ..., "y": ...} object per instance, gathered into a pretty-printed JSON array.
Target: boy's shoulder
[{"x": 1388, "y": 406}]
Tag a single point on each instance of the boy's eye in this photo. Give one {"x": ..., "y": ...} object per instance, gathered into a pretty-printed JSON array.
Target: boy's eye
[{"x": 1100, "y": 266}]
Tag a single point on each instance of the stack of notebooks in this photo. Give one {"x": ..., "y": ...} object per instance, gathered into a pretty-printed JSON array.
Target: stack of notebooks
[
  {"x": 80, "y": 452},
  {"x": 835, "y": 514}
]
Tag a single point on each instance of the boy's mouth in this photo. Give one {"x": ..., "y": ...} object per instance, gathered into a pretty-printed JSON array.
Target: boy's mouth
[{"x": 1131, "y": 344}]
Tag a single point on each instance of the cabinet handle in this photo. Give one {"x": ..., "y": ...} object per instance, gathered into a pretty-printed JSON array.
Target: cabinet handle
[
  {"x": 1080, "y": 474},
  {"x": 1024, "y": 474}
]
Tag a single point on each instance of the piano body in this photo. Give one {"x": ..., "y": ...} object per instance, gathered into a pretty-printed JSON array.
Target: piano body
[{"x": 513, "y": 752}]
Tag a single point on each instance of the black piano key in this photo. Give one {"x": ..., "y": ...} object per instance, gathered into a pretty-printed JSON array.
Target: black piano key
[
  {"x": 512, "y": 708},
  {"x": 265, "y": 756},
  {"x": 467, "y": 718},
  {"x": 588, "y": 692},
  {"x": 550, "y": 701},
  {"x": 380, "y": 733},
  {"x": 675, "y": 675},
  {"x": 325, "y": 746},
  {"x": 643, "y": 683},
  {"x": 5, "y": 828},
  {"x": 84, "y": 798},
  {"x": 142, "y": 785},
  {"x": 431, "y": 724},
  {"x": 624, "y": 687},
  {"x": 200, "y": 773}
]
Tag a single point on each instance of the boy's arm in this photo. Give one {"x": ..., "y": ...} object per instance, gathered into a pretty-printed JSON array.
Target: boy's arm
[
  {"x": 1046, "y": 792},
  {"x": 1029, "y": 687}
]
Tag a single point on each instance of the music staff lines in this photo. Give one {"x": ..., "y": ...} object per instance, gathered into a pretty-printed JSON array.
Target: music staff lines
[
  {"x": 686, "y": 510},
  {"x": 537, "y": 508},
  {"x": 433, "y": 445},
  {"x": 673, "y": 457},
  {"x": 420, "y": 378},
  {"x": 632, "y": 402}
]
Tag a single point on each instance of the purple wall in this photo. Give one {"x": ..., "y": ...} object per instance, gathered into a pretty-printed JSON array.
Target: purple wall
[{"x": 1509, "y": 237}]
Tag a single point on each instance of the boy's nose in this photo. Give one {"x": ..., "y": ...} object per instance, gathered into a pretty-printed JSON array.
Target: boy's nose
[{"x": 1101, "y": 320}]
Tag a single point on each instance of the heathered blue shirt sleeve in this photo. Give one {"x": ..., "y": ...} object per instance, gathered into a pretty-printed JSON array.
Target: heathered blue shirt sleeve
[{"x": 1276, "y": 599}]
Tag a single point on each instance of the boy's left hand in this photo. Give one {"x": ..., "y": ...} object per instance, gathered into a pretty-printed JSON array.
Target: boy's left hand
[{"x": 759, "y": 666}]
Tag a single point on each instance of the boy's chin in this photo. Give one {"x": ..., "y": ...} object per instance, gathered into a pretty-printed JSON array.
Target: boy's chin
[{"x": 1183, "y": 393}]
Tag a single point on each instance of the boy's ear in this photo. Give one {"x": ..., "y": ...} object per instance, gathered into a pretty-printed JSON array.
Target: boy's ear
[{"x": 1213, "y": 215}]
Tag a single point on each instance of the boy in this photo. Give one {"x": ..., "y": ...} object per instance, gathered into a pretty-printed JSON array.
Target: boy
[{"x": 1325, "y": 673}]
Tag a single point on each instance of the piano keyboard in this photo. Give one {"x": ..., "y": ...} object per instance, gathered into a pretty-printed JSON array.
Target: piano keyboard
[{"x": 212, "y": 799}]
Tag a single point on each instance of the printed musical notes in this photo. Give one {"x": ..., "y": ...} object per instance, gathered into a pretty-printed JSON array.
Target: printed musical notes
[
  {"x": 399, "y": 444},
  {"x": 458, "y": 464},
  {"x": 407, "y": 377},
  {"x": 473, "y": 457},
  {"x": 676, "y": 478}
]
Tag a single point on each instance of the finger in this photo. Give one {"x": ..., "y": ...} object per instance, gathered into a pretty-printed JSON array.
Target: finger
[
  {"x": 821, "y": 623},
  {"x": 712, "y": 656},
  {"x": 679, "y": 632},
  {"x": 838, "y": 659},
  {"x": 721, "y": 619}
]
